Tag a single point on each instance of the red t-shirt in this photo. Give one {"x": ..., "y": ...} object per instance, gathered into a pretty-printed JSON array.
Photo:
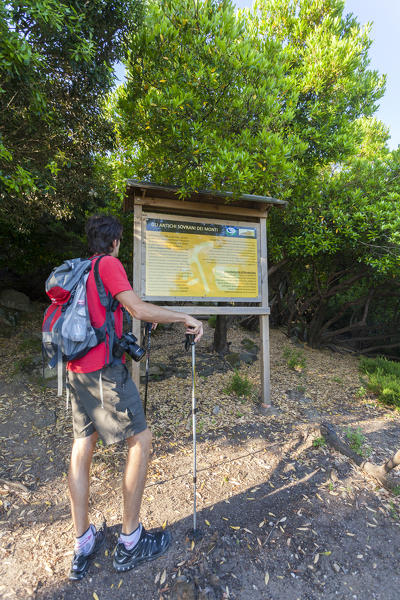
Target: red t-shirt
[{"x": 115, "y": 280}]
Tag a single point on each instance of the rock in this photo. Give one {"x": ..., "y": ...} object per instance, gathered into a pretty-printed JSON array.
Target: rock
[
  {"x": 48, "y": 373},
  {"x": 15, "y": 300},
  {"x": 183, "y": 591},
  {"x": 205, "y": 370},
  {"x": 249, "y": 345},
  {"x": 7, "y": 323},
  {"x": 289, "y": 467},
  {"x": 312, "y": 415},
  {"x": 156, "y": 370},
  {"x": 233, "y": 359},
  {"x": 247, "y": 357},
  {"x": 215, "y": 580},
  {"x": 216, "y": 410},
  {"x": 8, "y": 318},
  {"x": 228, "y": 567},
  {"x": 305, "y": 400}
]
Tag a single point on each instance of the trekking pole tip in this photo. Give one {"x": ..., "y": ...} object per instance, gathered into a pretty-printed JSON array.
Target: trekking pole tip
[{"x": 194, "y": 535}]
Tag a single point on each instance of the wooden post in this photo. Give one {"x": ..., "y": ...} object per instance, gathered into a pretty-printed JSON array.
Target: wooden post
[
  {"x": 264, "y": 319},
  {"x": 137, "y": 279}
]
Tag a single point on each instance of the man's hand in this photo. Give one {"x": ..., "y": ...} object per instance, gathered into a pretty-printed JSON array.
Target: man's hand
[{"x": 193, "y": 326}]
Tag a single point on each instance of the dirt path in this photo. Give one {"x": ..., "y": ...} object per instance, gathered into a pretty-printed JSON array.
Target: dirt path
[{"x": 281, "y": 519}]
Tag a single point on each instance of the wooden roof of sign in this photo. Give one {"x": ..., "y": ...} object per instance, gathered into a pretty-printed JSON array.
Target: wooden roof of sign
[{"x": 160, "y": 197}]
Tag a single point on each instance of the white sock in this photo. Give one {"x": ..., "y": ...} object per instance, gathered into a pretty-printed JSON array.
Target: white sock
[
  {"x": 131, "y": 539},
  {"x": 84, "y": 544}
]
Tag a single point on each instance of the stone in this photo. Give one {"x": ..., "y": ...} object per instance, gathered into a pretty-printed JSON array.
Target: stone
[
  {"x": 216, "y": 410},
  {"x": 249, "y": 345},
  {"x": 305, "y": 400},
  {"x": 154, "y": 370},
  {"x": 247, "y": 357},
  {"x": 48, "y": 373},
  {"x": 215, "y": 580},
  {"x": 7, "y": 323},
  {"x": 312, "y": 415},
  {"x": 233, "y": 359},
  {"x": 183, "y": 591},
  {"x": 15, "y": 300}
]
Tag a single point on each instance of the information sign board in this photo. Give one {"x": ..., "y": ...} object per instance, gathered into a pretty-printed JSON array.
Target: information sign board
[{"x": 194, "y": 259}]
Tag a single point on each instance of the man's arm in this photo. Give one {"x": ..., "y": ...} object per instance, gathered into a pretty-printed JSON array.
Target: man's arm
[{"x": 145, "y": 311}]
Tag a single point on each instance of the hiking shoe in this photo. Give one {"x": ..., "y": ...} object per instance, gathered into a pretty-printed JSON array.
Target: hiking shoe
[
  {"x": 149, "y": 546},
  {"x": 80, "y": 562}
]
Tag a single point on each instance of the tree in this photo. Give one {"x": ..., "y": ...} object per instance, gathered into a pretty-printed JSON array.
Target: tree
[
  {"x": 203, "y": 107},
  {"x": 327, "y": 64},
  {"x": 275, "y": 100},
  {"x": 334, "y": 260},
  {"x": 343, "y": 256},
  {"x": 56, "y": 63}
]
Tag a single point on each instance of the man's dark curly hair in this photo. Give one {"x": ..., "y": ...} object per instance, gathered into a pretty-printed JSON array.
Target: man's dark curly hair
[{"x": 101, "y": 231}]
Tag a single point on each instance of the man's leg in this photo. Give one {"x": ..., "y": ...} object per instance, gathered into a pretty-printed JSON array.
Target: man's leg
[
  {"x": 134, "y": 479},
  {"x": 78, "y": 481},
  {"x": 135, "y": 544}
]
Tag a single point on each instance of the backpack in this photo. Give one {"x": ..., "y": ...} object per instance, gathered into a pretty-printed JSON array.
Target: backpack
[{"x": 67, "y": 332}]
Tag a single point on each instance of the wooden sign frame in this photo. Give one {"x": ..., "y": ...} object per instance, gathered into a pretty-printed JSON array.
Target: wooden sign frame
[{"x": 160, "y": 201}]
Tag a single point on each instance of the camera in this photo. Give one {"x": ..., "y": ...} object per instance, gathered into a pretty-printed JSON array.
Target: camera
[{"x": 127, "y": 343}]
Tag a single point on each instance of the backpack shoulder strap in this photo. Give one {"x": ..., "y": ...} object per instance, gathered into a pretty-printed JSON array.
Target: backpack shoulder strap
[
  {"x": 99, "y": 284},
  {"x": 106, "y": 299},
  {"x": 110, "y": 304}
]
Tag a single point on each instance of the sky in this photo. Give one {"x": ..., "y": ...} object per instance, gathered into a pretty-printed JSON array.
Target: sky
[{"x": 385, "y": 17}]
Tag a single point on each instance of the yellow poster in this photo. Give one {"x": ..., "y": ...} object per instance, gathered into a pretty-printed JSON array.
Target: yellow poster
[{"x": 200, "y": 260}]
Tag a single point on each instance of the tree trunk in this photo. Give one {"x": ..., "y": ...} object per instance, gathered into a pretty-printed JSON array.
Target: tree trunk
[
  {"x": 220, "y": 344},
  {"x": 379, "y": 472}
]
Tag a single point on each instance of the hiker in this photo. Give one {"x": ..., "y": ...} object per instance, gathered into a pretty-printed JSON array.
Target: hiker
[{"x": 106, "y": 404}]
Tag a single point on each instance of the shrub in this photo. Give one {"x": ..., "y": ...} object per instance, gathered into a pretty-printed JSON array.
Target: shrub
[
  {"x": 239, "y": 385},
  {"x": 319, "y": 442},
  {"x": 356, "y": 440},
  {"x": 371, "y": 365},
  {"x": 383, "y": 379},
  {"x": 295, "y": 358}
]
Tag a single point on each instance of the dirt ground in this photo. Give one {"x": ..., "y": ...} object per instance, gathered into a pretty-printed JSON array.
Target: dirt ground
[{"x": 281, "y": 519}]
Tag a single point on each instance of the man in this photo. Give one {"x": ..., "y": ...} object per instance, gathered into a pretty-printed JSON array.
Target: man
[{"x": 106, "y": 404}]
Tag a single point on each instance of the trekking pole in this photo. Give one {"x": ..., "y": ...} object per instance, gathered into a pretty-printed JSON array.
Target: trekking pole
[
  {"x": 147, "y": 329},
  {"x": 193, "y": 533}
]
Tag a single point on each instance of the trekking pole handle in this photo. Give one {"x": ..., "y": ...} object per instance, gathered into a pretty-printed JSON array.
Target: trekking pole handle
[{"x": 189, "y": 340}]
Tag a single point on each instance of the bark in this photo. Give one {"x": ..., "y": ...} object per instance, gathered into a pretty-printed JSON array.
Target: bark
[
  {"x": 220, "y": 344},
  {"x": 378, "y": 472},
  {"x": 273, "y": 268}
]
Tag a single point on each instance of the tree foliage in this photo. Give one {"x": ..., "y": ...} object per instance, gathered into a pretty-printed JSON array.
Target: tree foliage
[
  {"x": 56, "y": 64},
  {"x": 204, "y": 105},
  {"x": 275, "y": 100}
]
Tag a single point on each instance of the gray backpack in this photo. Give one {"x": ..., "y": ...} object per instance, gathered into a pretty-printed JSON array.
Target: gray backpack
[{"x": 67, "y": 332}]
